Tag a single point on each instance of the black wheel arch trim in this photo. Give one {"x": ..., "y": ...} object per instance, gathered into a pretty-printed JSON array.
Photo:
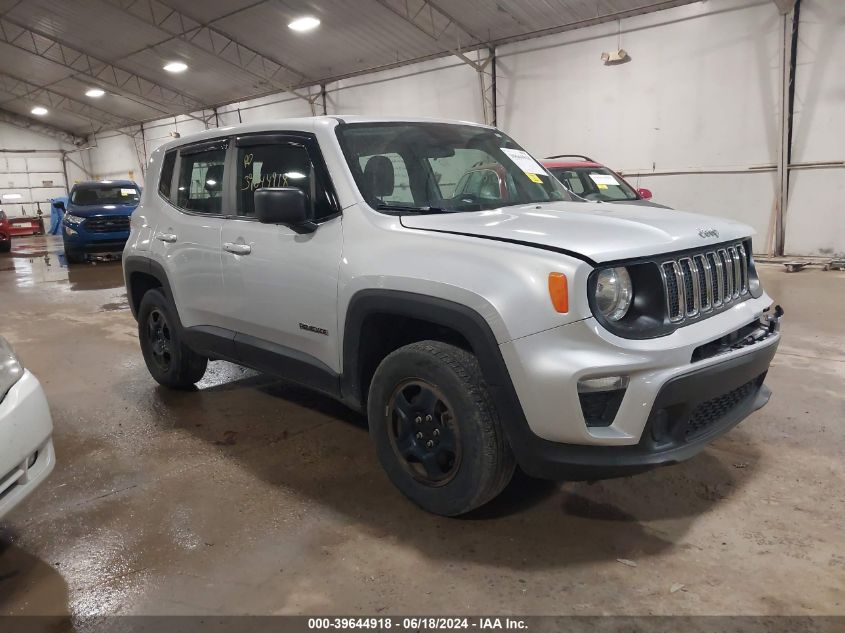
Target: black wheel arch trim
[
  {"x": 460, "y": 318},
  {"x": 138, "y": 264}
]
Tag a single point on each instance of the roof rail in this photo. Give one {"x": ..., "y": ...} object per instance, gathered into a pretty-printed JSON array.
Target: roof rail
[{"x": 587, "y": 158}]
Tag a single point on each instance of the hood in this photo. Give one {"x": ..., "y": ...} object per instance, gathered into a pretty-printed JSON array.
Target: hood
[
  {"x": 600, "y": 232},
  {"x": 89, "y": 210},
  {"x": 640, "y": 202}
]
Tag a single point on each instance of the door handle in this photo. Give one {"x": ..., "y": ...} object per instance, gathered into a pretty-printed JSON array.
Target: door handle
[
  {"x": 166, "y": 237},
  {"x": 237, "y": 249}
]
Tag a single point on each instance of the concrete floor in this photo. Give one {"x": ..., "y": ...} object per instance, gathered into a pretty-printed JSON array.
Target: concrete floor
[{"x": 250, "y": 496}]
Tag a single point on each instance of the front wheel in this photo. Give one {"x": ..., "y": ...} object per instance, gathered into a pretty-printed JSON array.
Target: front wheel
[
  {"x": 5, "y": 247},
  {"x": 74, "y": 257},
  {"x": 436, "y": 430},
  {"x": 170, "y": 361}
]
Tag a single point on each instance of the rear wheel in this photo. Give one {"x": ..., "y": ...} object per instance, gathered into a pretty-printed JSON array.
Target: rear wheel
[
  {"x": 436, "y": 430},
  {"x": 168, "y": 359},
  {"x": 5, "y": 247}
]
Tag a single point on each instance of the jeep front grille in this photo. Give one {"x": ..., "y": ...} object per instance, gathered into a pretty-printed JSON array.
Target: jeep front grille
[{"x": 698, "y": 283}]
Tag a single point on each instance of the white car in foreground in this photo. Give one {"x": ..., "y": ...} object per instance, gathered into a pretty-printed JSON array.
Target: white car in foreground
[{"x": 26, "y": 445}]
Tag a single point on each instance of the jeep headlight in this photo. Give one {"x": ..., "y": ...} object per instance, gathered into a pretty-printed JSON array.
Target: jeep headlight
[
  {"x": 613, "y": 293},
  {"x": 73, "y": 219},
  {"x": 11, "y": 369}
]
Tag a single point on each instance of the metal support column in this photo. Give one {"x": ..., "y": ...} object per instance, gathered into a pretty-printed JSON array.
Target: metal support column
[
  {"x": 487, "y": 83},
  {"x": 789, "y": 34},
  {"x": 140, "y": 141}
]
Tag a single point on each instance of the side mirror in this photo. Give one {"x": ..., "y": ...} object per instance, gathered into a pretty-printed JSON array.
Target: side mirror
[
  {"x": 59, "y": 205},
  {"x": 284, "y": 205},
  {"x": 645, "y": 194}
]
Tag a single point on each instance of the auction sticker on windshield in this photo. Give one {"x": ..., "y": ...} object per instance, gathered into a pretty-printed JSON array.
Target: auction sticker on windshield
[
  {"x": 524, "y": 161},
  {"x": 604, "y": 179}
]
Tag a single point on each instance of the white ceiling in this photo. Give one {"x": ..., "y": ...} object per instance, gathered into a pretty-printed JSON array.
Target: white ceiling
[{"x": 51, "y": 51}]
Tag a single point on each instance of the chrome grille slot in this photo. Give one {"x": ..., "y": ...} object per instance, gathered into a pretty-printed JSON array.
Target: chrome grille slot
[
  {"x": 727, "y": 274},
  {"x": 743, "y": 267},
  {"x": 737, "y": 272},
  {"x": 690, "y": 286},
  {"x": 716, "y": 276},
  {"x": 673, "y": 290},
  {"x": 704, "y": 282}
]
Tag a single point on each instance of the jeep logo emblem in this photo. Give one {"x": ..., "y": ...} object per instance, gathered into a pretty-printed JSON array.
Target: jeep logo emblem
[{"x": 708, "y": 233}]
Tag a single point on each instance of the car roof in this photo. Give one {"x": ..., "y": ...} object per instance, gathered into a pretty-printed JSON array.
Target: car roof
[
  {"x": 303, "y": 124},
  {"x": 111, "y": 183},
  {"x": 551, "y": 164}
]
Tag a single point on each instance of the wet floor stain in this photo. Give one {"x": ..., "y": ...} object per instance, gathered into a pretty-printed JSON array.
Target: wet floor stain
[{"x": 115, "y": 306}]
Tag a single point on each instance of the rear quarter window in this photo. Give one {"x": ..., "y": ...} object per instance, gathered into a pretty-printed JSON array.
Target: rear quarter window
[{"x": 165, "y": 181}]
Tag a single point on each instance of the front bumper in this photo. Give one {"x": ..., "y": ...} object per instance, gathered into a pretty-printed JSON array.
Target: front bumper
[
  {"x": 688, "y": 413},
  {"x": 676, "y": 401},
  {"x": 26, "y": 448},
  {"x": 92, "y": 242}
]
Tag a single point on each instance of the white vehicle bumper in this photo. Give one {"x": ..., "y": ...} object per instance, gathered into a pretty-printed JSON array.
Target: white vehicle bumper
[
  {"x": 545, "y": 369},
  {"x": 26, "y": 447}
]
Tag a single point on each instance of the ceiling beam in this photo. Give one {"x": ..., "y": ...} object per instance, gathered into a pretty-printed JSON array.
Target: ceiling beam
[
  {"x": 657, "y": 5},
  {"x": 26, "y": 123},
  {"x": 103, "y": 74},
  {"x": 43, "y": 96},
  {"x": 214, "y": 41},
  {"x": 430, "y": 19}
]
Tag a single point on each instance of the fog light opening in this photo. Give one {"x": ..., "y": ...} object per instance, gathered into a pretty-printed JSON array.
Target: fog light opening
[
  {"x": 600, "y": 399},
  {"x": 607, "y": 383}
]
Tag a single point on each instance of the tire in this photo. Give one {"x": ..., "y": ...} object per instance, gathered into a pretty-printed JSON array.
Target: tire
[
  {"x": 168, "y": 359},
  {"x": 472, "y": 460},
  {"x": 74, "y": 257},
  {"x": 5, "y": 247}
]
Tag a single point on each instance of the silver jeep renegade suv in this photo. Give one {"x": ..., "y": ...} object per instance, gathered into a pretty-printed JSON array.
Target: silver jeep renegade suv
[{"x": 480, "y": 327}]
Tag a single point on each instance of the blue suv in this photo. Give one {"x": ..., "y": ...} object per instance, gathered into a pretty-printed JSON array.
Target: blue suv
[{"x": 97, "y": 217}]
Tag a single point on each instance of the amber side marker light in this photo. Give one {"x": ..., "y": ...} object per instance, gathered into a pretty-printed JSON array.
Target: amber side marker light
[{"x": 559, "y": 292}]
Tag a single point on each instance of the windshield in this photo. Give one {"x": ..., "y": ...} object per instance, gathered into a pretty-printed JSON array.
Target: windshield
[
  {"x": 85, "y": 196},
  {"x": 594, "y": 183},
  {"x": 442, "y": 167}
]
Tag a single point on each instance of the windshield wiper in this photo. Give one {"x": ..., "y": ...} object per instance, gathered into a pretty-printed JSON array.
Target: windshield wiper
[{"x": 403, "y": 208}]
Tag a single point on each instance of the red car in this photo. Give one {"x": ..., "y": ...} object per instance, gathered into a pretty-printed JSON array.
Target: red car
[
  {"x": 593, "y": 181},
  {"x": 5, "y": 233}
]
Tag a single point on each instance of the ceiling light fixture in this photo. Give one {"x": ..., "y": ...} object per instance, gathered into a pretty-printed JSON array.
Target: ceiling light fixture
[
  {"x": 95, "y": 92},
  {"x": 305, "y": 23},
  {"x": 176, "y": 67},
  {"x": 39, "y": 110},
  {"x": 12, "y": 196}
]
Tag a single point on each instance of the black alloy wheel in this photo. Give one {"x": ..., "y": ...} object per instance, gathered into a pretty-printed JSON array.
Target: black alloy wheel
[
  {"x": 158, "y": 332},
  {"x": 423, "y": 432}
]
